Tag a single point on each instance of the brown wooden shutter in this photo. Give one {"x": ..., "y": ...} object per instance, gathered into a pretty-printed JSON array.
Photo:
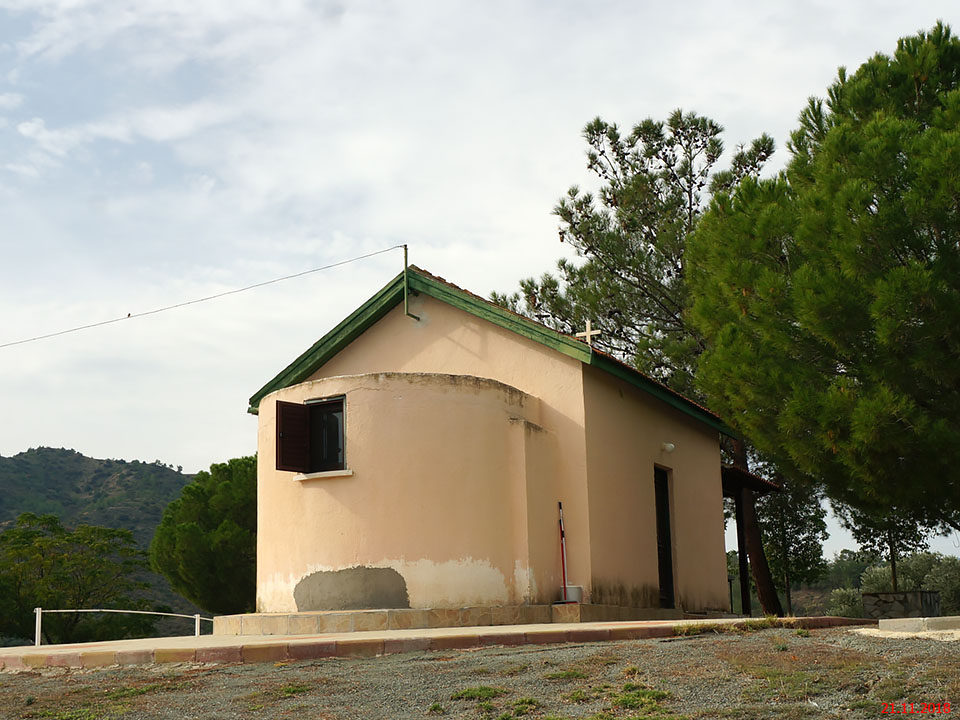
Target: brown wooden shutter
[{"x": 293, "y": 436}]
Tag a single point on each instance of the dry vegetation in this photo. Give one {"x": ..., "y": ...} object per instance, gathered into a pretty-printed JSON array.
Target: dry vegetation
[{"x": 757, "y": 673}]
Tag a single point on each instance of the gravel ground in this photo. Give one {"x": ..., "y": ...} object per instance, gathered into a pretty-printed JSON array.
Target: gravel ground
[{"x": 774, "y": 673}]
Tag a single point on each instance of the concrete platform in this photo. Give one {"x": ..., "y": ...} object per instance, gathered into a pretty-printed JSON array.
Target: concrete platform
[
  {"x": 266, "y": 648},
  {"x": 924, "y": 624},
  {"x": 335, "y": 621}
]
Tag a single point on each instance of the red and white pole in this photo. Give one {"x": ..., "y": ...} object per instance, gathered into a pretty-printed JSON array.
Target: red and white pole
[{"x": 563, "y": 553}]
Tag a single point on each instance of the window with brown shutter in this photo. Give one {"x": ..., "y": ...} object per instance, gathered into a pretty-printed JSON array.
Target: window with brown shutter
[{"x": 310, "y": 436}]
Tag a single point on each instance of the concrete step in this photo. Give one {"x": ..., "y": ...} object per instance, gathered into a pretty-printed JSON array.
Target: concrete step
[
  {"x": 327, "y": 621},
  {"x": 266, "y": 648},
  {"x": 923, "y": 624}
]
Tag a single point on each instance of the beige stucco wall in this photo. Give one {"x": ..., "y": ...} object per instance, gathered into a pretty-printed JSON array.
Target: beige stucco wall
[
  {"x": 436, "y": 503},
  {"x": 448, "y": 340},
  {"x": 455, "y": 486},
  {"x": 626, "y": 429}
]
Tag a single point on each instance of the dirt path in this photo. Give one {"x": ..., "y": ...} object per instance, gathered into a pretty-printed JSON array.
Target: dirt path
[{"x": 775, "y": 673}]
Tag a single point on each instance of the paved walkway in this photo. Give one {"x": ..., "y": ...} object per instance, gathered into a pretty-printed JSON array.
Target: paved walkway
[{"x": 275, "y": 648}]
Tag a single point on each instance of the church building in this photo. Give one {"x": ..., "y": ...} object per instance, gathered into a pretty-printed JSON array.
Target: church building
[{"x": 417, "y": 456}]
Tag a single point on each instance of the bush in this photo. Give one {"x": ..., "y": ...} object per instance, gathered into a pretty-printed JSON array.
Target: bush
[
  {"x": 945, "y": 577},
  {"x": 206, "y": 543},
  {"x": 912, "y": 572},
  {"x": 845, "y": 602}
]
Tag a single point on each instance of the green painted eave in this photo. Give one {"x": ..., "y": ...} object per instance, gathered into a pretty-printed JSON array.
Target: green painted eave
[
  {"x": 637, "y": 379},
  {"x": 334, "y": 341},
  {"x": 392, "y": 295}
]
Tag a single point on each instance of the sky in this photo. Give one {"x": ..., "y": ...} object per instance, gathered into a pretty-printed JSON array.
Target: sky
[{"x": 153, "y": 152}]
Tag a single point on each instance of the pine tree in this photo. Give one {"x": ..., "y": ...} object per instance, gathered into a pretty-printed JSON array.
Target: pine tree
[
  {"x": 205, "y": 544},
  {"x": 829, "y": 296},
  {"x": 632, "y": 235}
]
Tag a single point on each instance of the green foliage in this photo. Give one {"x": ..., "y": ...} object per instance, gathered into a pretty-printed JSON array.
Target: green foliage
[
  {"x": 632, "y": 234},
  {"x": 846, "y": 568},
  {"x": 42, "y": 564},
  {"x": 566, "y": 675},
  {"x": 79, "y": 489},
  {"x": 921, "y": 571},
  {"x": 794, "y": 527},
  {"x": 945, "y": 578},
  {"x": 845, "y": 602},
  {"x": 889, "y": 536},
  {"x": 829, "y": 296},
  {"x": 206, "y": 542},
  {"x": 637, "y": 697}
]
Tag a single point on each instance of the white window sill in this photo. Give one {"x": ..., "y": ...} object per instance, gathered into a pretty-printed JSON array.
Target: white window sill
[{"x": 323, "y": 475}]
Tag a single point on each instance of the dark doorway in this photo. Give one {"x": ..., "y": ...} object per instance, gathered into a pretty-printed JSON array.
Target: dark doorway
[{"x": 664, "y": 546}]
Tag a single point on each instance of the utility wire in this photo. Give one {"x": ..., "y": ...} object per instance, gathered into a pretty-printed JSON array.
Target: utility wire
[{"x": 130, "y": 316}]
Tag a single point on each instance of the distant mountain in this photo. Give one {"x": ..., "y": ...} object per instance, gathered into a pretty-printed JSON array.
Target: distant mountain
[
  {"x": 83, "y": 490},
  {"x": 79, "y": 489}
]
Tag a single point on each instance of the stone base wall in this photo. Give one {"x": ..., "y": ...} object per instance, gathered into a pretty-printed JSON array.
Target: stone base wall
[
  {"x": 310, "y": 623},
  {"x": 909, "y": 604}
]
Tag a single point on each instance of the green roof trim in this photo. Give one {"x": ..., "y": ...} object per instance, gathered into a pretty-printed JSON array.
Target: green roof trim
[{"x": 391, "y": 295}]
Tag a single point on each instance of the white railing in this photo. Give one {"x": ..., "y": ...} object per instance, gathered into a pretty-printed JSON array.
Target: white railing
[{"x": 40, "y": 611}]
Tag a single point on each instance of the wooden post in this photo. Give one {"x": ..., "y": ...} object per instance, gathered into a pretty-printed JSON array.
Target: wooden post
[{"x": 745, "y": 608}]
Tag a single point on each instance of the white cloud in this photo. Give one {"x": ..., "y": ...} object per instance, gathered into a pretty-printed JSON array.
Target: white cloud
[
  {"x": 26, "y": 170},
  {"x": 167, "y": 149},
  {"x": 10, "y": 101}
]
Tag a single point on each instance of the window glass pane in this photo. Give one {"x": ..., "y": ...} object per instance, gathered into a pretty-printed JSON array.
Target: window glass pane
[{"x": 326, "y": 436}]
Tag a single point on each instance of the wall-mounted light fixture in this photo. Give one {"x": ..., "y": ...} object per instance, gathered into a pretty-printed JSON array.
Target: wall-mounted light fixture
[{"x": 668, "y": 447}]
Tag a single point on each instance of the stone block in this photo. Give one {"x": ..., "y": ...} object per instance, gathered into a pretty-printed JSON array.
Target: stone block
[
  {"x": 251, "y": 625},
  {"x": 359, "y": 647},
  {"x": 273, "y": 624},
  {"x": 271, "y": 652},
  {"x": 404, "y": 645},
  {"x": 950, "y": 622},
  {"x": 303, "y": 624},
  {"x": 134, "y": 657},
  {"x": 13, "y": 662},
  {"x": 535, "y": 614},
  {"x": 588, "y": 634},
  {"x": 454, "y": 642},
  {"x": 100, "y": 658},
  {"x": 565, "y": 613},
  {"x": 406, "y": 619},
  {"x": 226, "y": 625},
  {"x": 73, "y": 659},
  {"x": 164, "y": 655},
  {"x": 37, "y": 660},
  {"x": 476, "y": 617},
  {"x": 312, "y": 650},
  {"x": 505, "y": 615},
  {"x": 443, "y": 617},
  {"x": 901, "y": 625},
  {"x": 543, "y": 637},
  {"x": 335, "y": 622},
  {"x": 225, "y": 654},
  {"x": 656, "y": 631},
  {"x": 370, "y": 620},
  {"x": 626, "y": 632},
  {"x": 502, "y": 638}
]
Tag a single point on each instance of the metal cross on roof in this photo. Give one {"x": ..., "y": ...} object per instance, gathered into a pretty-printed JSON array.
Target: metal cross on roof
[{"x": 588, "y": 334}]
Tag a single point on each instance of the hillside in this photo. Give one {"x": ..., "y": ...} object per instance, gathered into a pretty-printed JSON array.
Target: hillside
[{"x": 79, "y": 489}]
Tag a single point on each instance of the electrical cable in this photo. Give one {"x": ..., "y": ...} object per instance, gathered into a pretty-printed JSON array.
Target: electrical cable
[{"x": 130, "y": 316}]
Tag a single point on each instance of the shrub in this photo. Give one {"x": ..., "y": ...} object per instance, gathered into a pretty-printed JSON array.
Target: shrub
[
  {"x": 945, "y": 577},
  {"x": 845, "y": 602}
]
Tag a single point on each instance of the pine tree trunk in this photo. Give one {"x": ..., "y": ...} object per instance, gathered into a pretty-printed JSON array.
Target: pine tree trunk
[
  {"x": 766, "y": 592},
  {"x": 785, "y": 556},
  {"x": 893, "y": 558}
]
